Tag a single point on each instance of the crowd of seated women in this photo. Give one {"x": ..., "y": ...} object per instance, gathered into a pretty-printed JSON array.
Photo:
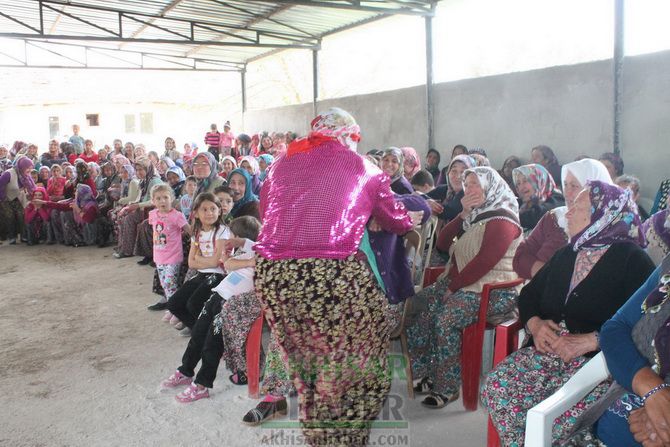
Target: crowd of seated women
[{"x": 574, "y": 232}]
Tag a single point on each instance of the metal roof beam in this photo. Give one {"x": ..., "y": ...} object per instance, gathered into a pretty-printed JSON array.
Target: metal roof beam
[
  {"x": 133, "y": 14},
  {"x": 224, "y": 63},
  {"x": 363, "y": 6},
  {"x": 267, "y": 17},
  {"x": 202, "y": 43}
]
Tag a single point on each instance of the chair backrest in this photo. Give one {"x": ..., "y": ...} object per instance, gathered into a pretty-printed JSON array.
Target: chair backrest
[
  {"x": 540, "y": 418},
  {"x": 428, "y": 231},
  {"x": 413, "y": 248}
]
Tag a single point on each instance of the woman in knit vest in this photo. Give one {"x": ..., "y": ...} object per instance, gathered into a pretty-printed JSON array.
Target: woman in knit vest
[{"x": 481, "y": 242}]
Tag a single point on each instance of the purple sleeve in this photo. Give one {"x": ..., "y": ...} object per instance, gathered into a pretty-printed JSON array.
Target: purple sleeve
[
  {"x": 4, "y": 180},
  {"x": 416, "y": 203},
  {"x": 390, "y": 214}
]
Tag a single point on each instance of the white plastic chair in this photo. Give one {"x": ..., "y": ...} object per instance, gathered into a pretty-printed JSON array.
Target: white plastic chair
[{"x": 540, "y": 418}]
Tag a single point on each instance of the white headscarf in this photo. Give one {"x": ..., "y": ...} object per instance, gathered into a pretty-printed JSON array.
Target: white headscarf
[
  {"x": 584, "y": 171},
  {"x": 587, "y": 170}
]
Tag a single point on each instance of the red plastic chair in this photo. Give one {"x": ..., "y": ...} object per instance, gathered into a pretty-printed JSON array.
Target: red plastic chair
[
  {"x": 473, "y": 340},
  {"x": 507, "y": 340},
  {"x": 254, "y": 339}
]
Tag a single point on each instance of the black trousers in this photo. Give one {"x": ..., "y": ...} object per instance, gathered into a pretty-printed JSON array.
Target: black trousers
[
  {"x": 187, "y": 301},
  {"x": 214, "y": 151},
  {"x": 204, "y": 344}
]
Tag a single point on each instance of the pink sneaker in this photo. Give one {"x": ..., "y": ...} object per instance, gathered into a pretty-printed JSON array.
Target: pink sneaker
[
  {"x": 192, "y": 393},
  {"x": 168, "y": 316},
  {"x": 176, "y": 380},
  {"x": 174, "y": 320}
]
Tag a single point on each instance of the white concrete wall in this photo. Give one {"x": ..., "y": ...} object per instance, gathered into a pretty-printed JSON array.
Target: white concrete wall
[
  {"x": 186, "y": 124},
  {"x": 568, "y": 108}
]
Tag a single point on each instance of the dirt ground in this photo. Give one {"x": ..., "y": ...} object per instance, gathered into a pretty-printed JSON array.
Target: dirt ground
[{"x": 81, "y": 359}]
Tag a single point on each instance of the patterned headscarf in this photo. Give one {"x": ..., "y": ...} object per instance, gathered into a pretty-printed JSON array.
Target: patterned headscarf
[
  {"x": 614, "y": 218},
  {"x": 411, "y": 158},
  {"x": 151, "y": 173},
  {"x": 468, "y": 161},
  {"x": 178, "y": 172},
  {"x": 661, "y": 223},
  {"x": 398, "y": 154},
  {"x": 334, "y": 124},
  {"x": 654, "y": 304},
  {"x": 203, "y": 184},
  {"x": 256, "y": 170},
  {"x": 84, "y": 195},
  {"x": 499, "y": 199},
  {"x": 538, "y": 176}
]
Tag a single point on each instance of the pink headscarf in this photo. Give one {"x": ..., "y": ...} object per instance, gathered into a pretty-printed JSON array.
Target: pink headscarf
[{"x": 411, "y": 159}]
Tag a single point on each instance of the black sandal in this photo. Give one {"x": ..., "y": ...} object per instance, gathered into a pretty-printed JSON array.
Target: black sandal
[
  {"x": 265, "y": 410},
  {"x": 424, "y": 386},
  {"x": 239, "y": 378},
  {"x": 437, "y": 400}
]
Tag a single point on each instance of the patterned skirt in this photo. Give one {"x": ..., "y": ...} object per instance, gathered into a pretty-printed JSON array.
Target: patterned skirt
[
  {"x": 128, "y": 226},
  {"x": 523, "y": 380},
  {"x": 11, "y": 219},
  {"x": 233, "y": 324},
  {"x": 435, "y": 330},
  {"x": 329, "y": 318}
]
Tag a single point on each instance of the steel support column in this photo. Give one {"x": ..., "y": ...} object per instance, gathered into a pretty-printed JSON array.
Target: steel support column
[
  {"x": 618, "y": 72},
  {"x": 429, "y": 83},
  {"x": 243, "y": 77},
  {"x": 315, "y": 80}
]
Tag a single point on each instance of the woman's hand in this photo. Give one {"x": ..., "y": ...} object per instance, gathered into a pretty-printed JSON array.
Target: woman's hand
[
  {"x": 38, "y": 202},
  {"x": 132, "y": 207},
  {"x": 571, "y": 346},
  {"x": 469, "y": 202},
  {"x": 657, "y": 408},
  {"x": 435, "y": 207},
  {"x": 374, "y": 226},
  {"x": 643, "y": 429},
  {"x": 416, "y": 217},
  {"x": 544, "y": 332}
]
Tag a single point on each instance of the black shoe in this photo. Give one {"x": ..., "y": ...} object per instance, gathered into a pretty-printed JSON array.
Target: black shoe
[
  {"x": 145, "y": 260},
  {"x": 152, "y": 264},
  {"x": 158, "y": 306},
  {"x": 436, "y": 400},
  {"x": 425, "y": 386},
  {"x": 239, "y": 378},
  {"x": 265, "y": 411}
]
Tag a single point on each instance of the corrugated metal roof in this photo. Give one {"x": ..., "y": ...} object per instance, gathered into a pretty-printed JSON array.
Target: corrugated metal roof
[{"x": 223, "y": 30}]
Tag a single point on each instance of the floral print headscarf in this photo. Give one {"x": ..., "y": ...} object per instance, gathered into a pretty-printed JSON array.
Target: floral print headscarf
[
  {"x": 538, "y": 176},
  {"x": 411, "y": 159},
  {"x": 614, "y": 218},
  {"x": 500, "y": 200},
  {"x": 334, "y": 124}
]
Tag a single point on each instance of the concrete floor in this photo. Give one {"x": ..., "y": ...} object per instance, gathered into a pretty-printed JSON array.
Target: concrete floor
[{"x": 82, "y": 360}]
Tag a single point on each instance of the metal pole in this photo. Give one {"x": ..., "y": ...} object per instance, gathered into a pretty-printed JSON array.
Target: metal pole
[
  {"x": 618, "y": 71},
  {"x": 429, "y": 82},
  {"x": 315, "y": 80},
  {"x": 243, "y": 76}
]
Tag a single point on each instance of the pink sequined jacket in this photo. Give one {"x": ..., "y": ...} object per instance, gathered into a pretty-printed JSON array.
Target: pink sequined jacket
[{"x": 317, "y": 204}]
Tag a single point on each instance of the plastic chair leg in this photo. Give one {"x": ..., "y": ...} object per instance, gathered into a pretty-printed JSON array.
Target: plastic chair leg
[
  {"x": 408, "y": 364},
  {"x": 471, "y": 364},
  {"x": 254, "y": 357},
  {"x": 507, "y": 340},
  {"x": 492, "y": 438}
]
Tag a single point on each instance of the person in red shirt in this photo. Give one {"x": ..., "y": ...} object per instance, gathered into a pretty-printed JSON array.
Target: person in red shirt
[{"x": 89, "y": 154}]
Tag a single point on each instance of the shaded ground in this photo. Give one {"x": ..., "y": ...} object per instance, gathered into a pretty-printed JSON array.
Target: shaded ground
[{"x": 81, "y": 360}]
